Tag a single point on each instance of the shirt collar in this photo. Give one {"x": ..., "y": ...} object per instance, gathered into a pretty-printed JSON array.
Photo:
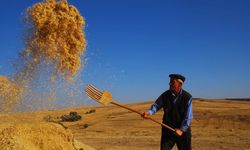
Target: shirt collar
[{"x": 176, "y": 94}]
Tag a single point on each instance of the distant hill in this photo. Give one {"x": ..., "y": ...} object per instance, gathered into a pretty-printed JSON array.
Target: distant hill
[
  {"x": 230, "y": 99},
  {"x": 238, "y": 99}
]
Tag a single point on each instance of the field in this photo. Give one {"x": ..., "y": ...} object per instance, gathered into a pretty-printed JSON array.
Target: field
[{"x": 217, "y": 124}]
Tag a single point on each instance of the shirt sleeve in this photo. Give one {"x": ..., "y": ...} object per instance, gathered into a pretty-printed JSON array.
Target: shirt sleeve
[
  {"x": 189, "y": 115},
  {"x": 156, "y": 106}
]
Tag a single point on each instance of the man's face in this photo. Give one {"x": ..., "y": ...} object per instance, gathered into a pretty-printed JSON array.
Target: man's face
[{"x": 175, "y": 85}]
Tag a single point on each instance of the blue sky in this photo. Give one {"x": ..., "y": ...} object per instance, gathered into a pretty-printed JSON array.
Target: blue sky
[{"x": 133, "y": 45}]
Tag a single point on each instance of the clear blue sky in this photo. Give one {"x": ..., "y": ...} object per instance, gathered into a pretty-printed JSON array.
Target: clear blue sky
[{"x": 133, "y": 45}]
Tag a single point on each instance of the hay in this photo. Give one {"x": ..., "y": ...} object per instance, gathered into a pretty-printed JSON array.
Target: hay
[
  {"x": 10, "y": 93},
  {"x": 39, "y": 136},
  {"x": 55, "y": 40},
  {"x": 56, "y": 36}
]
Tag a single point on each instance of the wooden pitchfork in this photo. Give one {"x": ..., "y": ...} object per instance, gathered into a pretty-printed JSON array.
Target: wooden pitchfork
[{"x": 105, "y": 98}]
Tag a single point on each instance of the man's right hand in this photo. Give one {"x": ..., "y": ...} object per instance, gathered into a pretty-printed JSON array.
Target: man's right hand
[{"x": 145, "y": 115}]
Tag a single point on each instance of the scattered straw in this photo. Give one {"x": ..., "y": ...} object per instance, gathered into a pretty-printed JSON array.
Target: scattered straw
[
  {"x": 10, "y": 93},
  {"x": 55, "y": 40},
  {"x": 56, "y": 36}
]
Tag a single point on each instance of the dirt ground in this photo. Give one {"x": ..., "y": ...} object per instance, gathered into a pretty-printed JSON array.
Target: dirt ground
[{"x": 217, "y": 124}]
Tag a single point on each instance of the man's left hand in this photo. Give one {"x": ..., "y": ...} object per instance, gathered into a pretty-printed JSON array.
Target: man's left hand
[{"x": 178, "y": 132}]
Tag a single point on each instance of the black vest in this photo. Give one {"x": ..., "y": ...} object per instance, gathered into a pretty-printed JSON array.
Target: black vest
[{"x": 174, "y": 113}]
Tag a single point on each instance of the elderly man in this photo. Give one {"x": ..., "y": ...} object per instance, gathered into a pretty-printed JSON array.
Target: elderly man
[{"x": 177, "y": 106}]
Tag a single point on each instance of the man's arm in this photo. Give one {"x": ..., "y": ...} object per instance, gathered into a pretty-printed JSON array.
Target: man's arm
[
  {"x": 154, "y": 108},
  {"x": 189, "y": 115}
]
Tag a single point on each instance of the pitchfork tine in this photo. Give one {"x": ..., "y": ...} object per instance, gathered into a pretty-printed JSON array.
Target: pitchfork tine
[
  {"x": 94, "y": 88},
  {"x": 92, "y": 94},
  {"x": 88, "y": 92},
  {"x": 89, "y": 95},
  {"x": 95, "y": 92}
]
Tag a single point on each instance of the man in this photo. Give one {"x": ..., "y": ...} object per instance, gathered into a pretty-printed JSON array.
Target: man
[{"x": 177, "y": 106}]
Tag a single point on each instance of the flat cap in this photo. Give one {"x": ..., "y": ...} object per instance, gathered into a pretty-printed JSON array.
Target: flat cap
[{"x": 177, "y": 76}]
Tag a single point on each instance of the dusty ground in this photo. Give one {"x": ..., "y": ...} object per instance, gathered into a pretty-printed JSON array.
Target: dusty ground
[{"x": 217, "y": 124}]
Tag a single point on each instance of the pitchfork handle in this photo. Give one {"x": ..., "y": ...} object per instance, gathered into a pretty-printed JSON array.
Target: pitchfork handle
[{"x": 120, "y": 105}]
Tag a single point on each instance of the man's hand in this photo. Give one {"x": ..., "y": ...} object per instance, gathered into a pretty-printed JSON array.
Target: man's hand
[
  {"x": 145, "y": 115},
  {"x": 178, "y": 132}
]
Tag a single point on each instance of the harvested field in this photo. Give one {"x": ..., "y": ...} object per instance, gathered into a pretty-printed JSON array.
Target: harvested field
[{"x": 217, "y": 124}]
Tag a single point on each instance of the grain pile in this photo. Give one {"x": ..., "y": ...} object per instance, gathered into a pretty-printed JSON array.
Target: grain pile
[{"x": 39, "y": 136}]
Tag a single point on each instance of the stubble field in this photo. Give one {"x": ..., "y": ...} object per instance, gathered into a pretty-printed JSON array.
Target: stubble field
[{"x": 217, "y": 124}]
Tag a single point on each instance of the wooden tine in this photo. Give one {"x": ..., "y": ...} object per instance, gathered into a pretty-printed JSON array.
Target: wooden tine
[
  {"x": 95, "y": 89},
  {"x": 102, "y": 97},
  {"x": 92, "y": 94},
  {"x": 92, "y": 88}
]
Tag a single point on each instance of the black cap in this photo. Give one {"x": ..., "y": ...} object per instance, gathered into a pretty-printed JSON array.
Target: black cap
[{"x": 177, "y": 76}]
